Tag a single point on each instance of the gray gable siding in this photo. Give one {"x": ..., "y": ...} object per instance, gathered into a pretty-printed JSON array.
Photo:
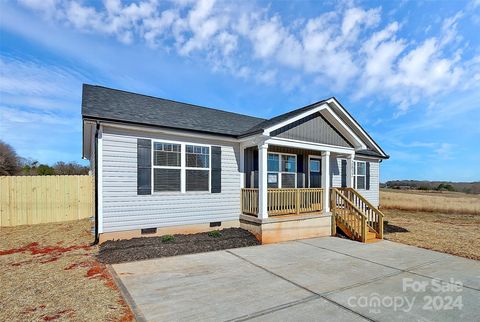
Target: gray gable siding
[
  {"x": 124, "y": 209},
  {"x": 313, "y": 128}
]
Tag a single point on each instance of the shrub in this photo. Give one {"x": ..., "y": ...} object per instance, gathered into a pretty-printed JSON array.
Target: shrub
[
  {"x": 167, "y": 238},
  {"x": 215, "y": 233}
]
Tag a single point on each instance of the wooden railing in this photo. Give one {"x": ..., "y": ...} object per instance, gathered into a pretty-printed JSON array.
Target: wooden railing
[
  {"x": 345, "y": 213},
  {"x": 374, "y": 216},
  {"x": 249, "y": 201},
  {"x": 283, "y": 201}
]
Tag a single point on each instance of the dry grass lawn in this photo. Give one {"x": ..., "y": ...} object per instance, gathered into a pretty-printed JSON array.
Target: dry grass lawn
[
  {"x": 430, "y": 201},
  {"x": 49, "y": 272},
  {"x": 455, "y": 231}
]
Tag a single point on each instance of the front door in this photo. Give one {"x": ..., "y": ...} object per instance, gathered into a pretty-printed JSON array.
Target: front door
[{"x": 315, "y": 173}]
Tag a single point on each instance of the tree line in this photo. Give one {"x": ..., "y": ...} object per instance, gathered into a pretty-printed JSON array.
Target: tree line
[
  {"x": 466, "y": 187},
  {"x": 11, "y": 164}
]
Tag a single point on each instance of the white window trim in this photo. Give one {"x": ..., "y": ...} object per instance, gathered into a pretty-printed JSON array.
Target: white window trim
[
  {"x": 316, "y": 157},
  {"x": 355, "y": 175},
  {"x": 279, "y": 173},
  {"x": 183, "y": 168}
]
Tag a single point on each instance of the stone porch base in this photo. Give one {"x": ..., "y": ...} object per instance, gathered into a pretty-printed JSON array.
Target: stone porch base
[{"x": 283, "y": 228}]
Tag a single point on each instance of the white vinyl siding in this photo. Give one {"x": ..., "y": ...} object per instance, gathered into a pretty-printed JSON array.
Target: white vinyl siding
[
  {"x": 124, "y": 209},
  {"x": 371, "y": 195}
]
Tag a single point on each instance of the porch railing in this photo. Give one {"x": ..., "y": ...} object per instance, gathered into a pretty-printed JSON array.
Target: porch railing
[
  {"x": 373, "y": 215},
  {"x": 283, "y": 201}
]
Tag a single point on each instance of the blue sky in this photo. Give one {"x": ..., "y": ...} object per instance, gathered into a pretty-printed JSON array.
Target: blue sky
[{"x": 409, "y": 71}]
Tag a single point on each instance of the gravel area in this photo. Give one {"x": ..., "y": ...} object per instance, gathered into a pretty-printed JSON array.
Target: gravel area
[{"x": 112, "y": 252}]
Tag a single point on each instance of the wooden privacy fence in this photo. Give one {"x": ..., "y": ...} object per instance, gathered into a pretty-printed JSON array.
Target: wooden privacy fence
[{"x": 27, "y": 200}]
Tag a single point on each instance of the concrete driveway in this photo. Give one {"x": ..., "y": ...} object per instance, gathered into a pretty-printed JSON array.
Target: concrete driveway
[{"x": 328, "y": 279}]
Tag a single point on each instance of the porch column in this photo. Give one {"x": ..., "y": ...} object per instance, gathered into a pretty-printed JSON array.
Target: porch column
[
  {"x": 326, "y": 180},
  {"x": 350, "y": 171},
  {"x": 262, "y": 181},
  {"x": 242, "y": 166}
]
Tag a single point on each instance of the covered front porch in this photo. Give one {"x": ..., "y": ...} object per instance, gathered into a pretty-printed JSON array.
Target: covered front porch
[
  {"x": 283, "y": 180},
  {"x": 286, "y": 188}
]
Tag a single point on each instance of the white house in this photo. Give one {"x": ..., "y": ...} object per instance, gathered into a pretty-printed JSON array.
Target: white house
[{"x": 164, "y": 167}]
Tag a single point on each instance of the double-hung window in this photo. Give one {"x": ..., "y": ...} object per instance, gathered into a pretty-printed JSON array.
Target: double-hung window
[
  {"x": 197, "y": 168},
  {"x": 180, "y": 167},
  {"x": 359, "y": 174},
  {"x": 166, "y": 166},
  {"x": 282, "y": 170}
]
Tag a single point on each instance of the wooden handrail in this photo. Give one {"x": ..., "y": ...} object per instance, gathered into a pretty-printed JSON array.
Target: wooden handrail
[
  {"x": 348, "y": 201},
  {"x": 349, "y": 215},
  {"x": 364, "y": 200},
  {"x": 375, "y": 222}
]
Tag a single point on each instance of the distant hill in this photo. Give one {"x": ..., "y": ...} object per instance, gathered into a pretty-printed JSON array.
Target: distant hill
[{"x": 467, "y": 187}]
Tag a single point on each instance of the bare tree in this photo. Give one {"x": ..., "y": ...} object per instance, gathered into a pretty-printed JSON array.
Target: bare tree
[
  {"x": 69, "y": 168},
  {"x": 10, "y": 162}
]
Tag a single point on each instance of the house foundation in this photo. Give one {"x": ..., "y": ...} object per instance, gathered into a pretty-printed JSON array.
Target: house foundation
[
  {"x": 172, "y": 230},
  {"x": 284, "y": 228}
]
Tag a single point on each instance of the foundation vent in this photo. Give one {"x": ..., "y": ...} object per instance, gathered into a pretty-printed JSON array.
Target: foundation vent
[{"x": 146, "y": 231}]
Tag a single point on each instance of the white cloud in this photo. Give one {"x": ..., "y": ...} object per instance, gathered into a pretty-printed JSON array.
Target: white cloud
[
  {"x": 347, "y": 48},
  {"x": 445, "y": 150},
  {"x": 38, "y": 100},
  {"x": 24, "y": 79}
]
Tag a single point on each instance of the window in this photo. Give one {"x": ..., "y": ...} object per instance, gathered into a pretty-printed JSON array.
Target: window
[
  {"x": 315, "y": 172},
  {"x": 359, "y": 174},
  {"x": 198, "y": 156},
  {"x": 198, "y": 168},
  {"x": 166, "y": 166},
  {"x": 167, "y": 154},
  {"x": 282, "y": 170},
  {"x": 289, "y": 163},
  {"x": 273, "y": 166},
  {"x": 169, "y": 171}
]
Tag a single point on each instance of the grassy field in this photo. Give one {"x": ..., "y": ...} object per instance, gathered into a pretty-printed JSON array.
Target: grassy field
[
  {"x": 430, "y": 201},
  {"x": 49, "y": 272},
  {"x": 443, "y": 221}
]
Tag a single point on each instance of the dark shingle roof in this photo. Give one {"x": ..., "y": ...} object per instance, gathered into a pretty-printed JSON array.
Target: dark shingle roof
[
  {"x": 104, "y": 103},
  {"x": 110, "y": 104}
]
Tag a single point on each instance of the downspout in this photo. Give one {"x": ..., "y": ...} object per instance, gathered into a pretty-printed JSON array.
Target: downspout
[{"x": 95, "y": 242}]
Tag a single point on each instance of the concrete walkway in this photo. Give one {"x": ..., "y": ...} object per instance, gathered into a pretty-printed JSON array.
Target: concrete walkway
[{"x": 328, "y": 279}]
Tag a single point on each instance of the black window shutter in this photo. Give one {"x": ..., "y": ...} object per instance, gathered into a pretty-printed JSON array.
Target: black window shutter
[
  {"x": 144, "y": 167},
  {"x": 344, "y": 173},
  {"x": 216, "y": 178},
  {"x": 300, "y": 183},
  {"x": 367, "y": 184}
]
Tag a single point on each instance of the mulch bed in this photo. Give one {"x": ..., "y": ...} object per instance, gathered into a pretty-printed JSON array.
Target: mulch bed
[{"x": 112, "y": 252}]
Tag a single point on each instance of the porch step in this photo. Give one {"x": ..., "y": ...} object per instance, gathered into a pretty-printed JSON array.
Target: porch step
[
  {"x": 353, "y": 210},
  {"x": 372, "y": 237}
]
